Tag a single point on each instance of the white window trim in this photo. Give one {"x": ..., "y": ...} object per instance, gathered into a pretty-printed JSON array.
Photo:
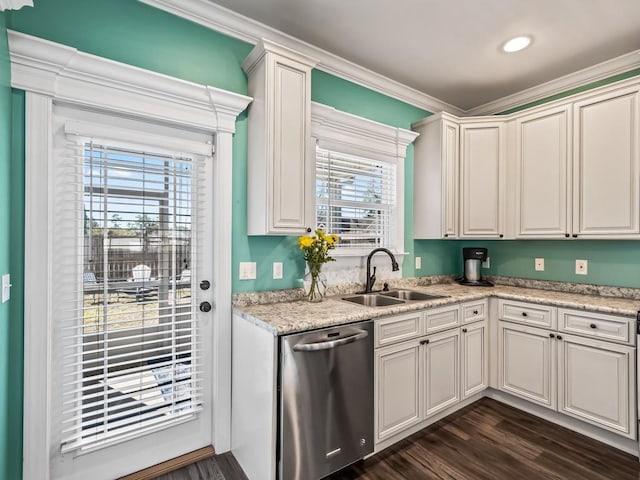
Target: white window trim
[
  {"x": 333, "y": 129},
  {"x": 50, "y": 72},
  {"x": 14, "y": 4}
]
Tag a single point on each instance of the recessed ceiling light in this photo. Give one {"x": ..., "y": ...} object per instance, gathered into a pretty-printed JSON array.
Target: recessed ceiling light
[{"x": 516, "y": 44}]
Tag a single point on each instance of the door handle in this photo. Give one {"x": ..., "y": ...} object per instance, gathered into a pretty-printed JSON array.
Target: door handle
[{"x": 314, "y": 346}]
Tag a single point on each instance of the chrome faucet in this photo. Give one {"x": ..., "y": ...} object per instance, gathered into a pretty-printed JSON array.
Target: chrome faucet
[{"x": 371, "y": 278}]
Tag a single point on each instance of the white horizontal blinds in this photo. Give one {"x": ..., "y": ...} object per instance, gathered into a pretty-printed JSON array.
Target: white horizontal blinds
[
  {"x": 355, "y": 198},
  {"x": 125, "y": 318}
]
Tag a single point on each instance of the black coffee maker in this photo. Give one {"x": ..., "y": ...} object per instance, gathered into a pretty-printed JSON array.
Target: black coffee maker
[{"x": 473, "y": 258}]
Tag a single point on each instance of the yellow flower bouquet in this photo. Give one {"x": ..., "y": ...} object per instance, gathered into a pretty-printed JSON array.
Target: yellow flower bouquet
[{"x": 316, "y": 253}]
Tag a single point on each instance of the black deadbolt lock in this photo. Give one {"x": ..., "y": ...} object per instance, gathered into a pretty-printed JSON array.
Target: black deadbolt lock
[
  {"x": 205, "y": 307},
  {"x": 205, "y": 284}
]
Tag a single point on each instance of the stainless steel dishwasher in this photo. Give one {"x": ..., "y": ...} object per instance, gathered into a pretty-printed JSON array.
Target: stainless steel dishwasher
[{"x": 326, "y": 403}]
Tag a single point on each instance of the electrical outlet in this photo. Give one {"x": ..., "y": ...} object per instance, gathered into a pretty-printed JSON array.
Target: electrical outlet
[
  {"x": 418, "y": 263},
  {"x": 6, "y": 288},
  {"x": 539, "y": 264},
  {"x": 487, "y": 263},
  {"x": 277, "y": 270},
  {"x": 581, "y": 267},
  {"x": 247, "y": 270}
]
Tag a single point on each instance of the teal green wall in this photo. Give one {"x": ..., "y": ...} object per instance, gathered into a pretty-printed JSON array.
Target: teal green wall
[
  {"x": 5, "y": 249},
  {"x": 613, "y": 262},
  {"x": 16, "y": 262}
]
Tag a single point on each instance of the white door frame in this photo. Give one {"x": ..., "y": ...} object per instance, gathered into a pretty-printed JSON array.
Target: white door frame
[{"x": 50, "y": 72}]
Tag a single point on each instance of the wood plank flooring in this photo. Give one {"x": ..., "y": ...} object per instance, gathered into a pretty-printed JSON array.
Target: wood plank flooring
[{"x": 486, "y": 440}]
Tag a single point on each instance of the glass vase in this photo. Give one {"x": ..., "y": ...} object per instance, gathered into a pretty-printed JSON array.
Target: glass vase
[{"x": 315, "y": 285}]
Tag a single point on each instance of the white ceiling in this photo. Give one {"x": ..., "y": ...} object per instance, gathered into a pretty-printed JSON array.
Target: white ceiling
[{"x": 450, "y": 49}]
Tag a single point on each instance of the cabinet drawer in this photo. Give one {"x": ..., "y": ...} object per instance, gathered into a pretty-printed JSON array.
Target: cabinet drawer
[
  {"x": 437, "y": 319},
  {"x": 474, "y": 311},
  {"x": 397, "y": 328},
  {"x": 596, "y": 325},
  {"x": 532, "y": 314}
]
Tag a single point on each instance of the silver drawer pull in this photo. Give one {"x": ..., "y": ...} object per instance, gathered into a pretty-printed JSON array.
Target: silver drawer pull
[{"x": 333, "y": 453}]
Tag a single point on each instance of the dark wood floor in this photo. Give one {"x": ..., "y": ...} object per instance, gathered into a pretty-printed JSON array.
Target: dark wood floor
[
  {"x": 219, "y": 467},
  {"x": 486, "y": 440}
]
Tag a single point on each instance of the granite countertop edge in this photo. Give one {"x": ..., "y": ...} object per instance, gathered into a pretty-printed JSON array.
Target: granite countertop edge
[{"x": 283, "y": 318}]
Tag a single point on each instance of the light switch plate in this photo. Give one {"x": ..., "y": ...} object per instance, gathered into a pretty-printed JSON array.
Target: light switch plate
[
  {"x": 581, "y": 267},
  {"x": 247, "y": 270},
  {"x": 6, "y": 288},
  {"x": 277, "y": 270},
  {"x": 539, "y": 264},
  {"x": 418, "y": 263}
]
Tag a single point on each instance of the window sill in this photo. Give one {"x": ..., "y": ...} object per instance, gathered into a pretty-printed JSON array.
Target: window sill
[{"x": 363, "y": 253}]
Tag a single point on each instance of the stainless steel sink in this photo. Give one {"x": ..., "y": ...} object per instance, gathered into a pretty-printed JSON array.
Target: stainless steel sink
[
  {"x": 411, "y": 295},
  {"x": 373, "y": 300}
]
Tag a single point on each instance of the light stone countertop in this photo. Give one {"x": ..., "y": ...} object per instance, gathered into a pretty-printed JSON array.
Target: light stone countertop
[{"x": 284, "y": 318}]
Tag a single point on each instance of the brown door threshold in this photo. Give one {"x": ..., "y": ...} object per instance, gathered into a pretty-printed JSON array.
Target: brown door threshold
[{"x": 171, "y": 465}]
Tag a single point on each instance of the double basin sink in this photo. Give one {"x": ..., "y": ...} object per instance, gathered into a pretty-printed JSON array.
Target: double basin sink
[{"x": 392, "y": 297}]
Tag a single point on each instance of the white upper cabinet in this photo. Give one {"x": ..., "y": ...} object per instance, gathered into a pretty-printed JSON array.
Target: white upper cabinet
[
  {"x": 436, "y": 178},
  {"x": 280, "y": 187},
  {"x": 483, "y": 179},
  {"x": 542, "y": 169},
  {"x": 606, "y": 166},
  {"x": 572, "y": 170}
]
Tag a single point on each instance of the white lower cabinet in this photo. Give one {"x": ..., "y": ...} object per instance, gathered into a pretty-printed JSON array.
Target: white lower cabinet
[
  {"x": 585, "y": 378},
  {"x": 397, "y": 388},
  {"x": 596, "y": 383},
  {"x": 474, "y": 355},
  {"x": 527, "y": 363},
  {"x": 590, "y": 375},
  {"x": 419, "y": 378},
  {"x": 441, "y": 356}
]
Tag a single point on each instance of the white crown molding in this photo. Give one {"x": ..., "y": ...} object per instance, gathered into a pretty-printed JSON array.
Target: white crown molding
[
  {"x": 609, "y": 68},
  {"x": 67, "y": 74},
  {"x": 265, "y": 46},
  {"x": 243, "y": 28},
  {"x": 14, "y": 4},
  {"x": 365, "y": 137}
]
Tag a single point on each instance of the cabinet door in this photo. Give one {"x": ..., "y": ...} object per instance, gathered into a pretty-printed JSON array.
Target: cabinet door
[
  {"x": 606, "y": 165},
  {"x": 435, "y": 180},
  {"x": 542, "y": 191},
  {"x": 450, "y": 181},
  {"x": 474, "y": 362},
  {"x": 291, "y": 166},
  {"x": 483, "y": 182},
  {"x": 596, "y": 383},
  {"x": 527, "y": 363},
  {"x": 441, "y": 372},
  {"x": 397, "y": 388}
]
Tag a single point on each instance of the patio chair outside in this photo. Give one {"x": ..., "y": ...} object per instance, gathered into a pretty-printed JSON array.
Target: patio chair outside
[
  {"x": 184, "y": 283},
  {"x": 90, "y": 285},
  {"x": 141, "y": 273}
]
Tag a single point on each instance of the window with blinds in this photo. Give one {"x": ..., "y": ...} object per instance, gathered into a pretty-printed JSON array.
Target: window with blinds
[
  {"x": 355, "y": 198},
  {"x": 124, "y": 316}
]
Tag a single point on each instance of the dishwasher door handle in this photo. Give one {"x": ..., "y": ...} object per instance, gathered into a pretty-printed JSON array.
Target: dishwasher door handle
[{"x": 312, "y": 347}]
